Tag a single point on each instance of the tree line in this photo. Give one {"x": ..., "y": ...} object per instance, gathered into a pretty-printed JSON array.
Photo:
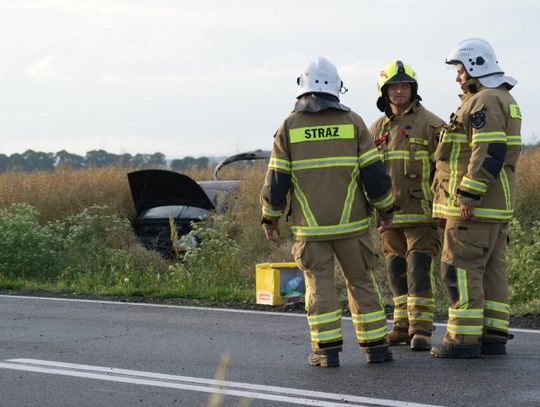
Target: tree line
[{"x": 31, "y": 160}]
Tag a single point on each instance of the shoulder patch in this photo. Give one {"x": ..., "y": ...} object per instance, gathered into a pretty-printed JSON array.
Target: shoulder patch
[{"x": 478, "y": 120}]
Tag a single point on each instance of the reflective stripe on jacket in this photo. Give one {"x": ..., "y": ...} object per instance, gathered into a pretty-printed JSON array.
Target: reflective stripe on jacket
[
  {"x": 407, "y": 144},
  {"x": 477, "y": 156}
]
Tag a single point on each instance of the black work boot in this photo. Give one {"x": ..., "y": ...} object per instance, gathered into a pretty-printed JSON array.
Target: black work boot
[
  {"x": 378, "y": 354},
  {"x": 328, "y": 359},
  {"x": 456, "y": 351},
  {"x": 494, "y": 344}
]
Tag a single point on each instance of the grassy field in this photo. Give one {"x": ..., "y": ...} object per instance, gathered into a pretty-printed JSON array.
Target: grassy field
[{"x": 69, "y": 231}]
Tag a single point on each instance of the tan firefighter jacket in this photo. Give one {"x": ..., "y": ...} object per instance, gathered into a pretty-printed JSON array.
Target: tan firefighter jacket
[
  {"x": 407, "y": 145},
  {"x": 333, "y": 171},
  {"x": 477, "y": 155}
]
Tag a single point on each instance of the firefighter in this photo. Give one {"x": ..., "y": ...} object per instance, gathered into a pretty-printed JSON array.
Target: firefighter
[
  {"x": 323, "y": 155},
  {"x": 474, "y": 191},
  {"x": 406, "y": 136}
]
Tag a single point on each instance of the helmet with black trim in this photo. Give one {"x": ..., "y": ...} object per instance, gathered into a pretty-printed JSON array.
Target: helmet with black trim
[{"x": 394, "y": 72}]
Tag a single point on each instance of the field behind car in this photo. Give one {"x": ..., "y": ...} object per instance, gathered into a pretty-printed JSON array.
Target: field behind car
[{"x": 69, "y": 232}]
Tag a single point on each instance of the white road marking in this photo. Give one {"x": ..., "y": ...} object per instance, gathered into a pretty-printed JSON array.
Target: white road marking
[
  {"x": 240, "y": 311},
  {"x": 248, "y": 390}
]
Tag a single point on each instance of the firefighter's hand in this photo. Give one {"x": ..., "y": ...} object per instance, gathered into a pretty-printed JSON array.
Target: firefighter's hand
[
  {"x": 466, "y": 212},
  {"x": 384, "y": 224},
  {"x": 272, "y": 232}
]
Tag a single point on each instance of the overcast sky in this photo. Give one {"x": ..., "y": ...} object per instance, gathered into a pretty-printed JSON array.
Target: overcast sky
[{"x": 205, "y": 78}]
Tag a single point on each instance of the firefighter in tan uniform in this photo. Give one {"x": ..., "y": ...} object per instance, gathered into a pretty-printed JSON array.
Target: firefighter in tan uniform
[
  {"x": 406, "y": 136},
  {"x": 324, "y": 156},
  {"x": 474, "y": 191}
]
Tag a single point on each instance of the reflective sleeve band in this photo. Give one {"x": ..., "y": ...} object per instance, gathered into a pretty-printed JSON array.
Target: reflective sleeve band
[
  {"x": 384, "y": 203},
  {"x": 415, "y": 140},
  {"x": 271, "y": 212},
  {"x": 514, "y": 140},
  {"x": 477, "y": 186},
  {"x": 484, "y": 213},
  {"x": 322, "y": 133},
  {"x": 489, "y": 137},
  {"x": 368, "y": 157},
  {"x": 279, "y": 164},
  {"x": 454, "y": 138},
  {"x": 515, "y": 112},
  {"x": 397, "y": 155}
]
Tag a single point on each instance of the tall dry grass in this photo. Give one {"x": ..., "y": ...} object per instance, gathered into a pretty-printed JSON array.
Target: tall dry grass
[{"x": 528, "y": 186}]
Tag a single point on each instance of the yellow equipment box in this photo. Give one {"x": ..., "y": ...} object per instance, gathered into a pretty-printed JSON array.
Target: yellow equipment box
[{"x": 278, "y": 283}]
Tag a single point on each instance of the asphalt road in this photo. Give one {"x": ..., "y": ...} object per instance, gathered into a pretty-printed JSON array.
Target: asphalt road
[{"x": 61, "y": 352}]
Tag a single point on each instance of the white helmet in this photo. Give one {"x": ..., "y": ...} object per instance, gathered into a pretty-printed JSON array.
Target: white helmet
[
  {"x": 321, "y": 76},
  {"x": 479, "y": 59}
]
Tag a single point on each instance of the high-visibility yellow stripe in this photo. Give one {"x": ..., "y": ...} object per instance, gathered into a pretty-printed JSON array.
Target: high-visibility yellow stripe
[
  {"x": 454, "y": 138},
  {"x": 463, "y": 288},
  {"x": 497, "y": 306},
  {"x": 371, "y": 335},
  {"x": 420, "y": 301},
  {"x": 496, "y": 323},
  {"x": 411, "y": 218},
  {"x": 422, "y": 316},
  {"x": 305, "y": 231},
  {"x": 279, "y": 164},
  {"x": 513, "y": 140},
  {"x": 454, "y": 157},
  {"x": 464, "y": 329},
  {"x": 466, "y": 313},
  {"x": 489, "y": 137},
  {"x": 368, "y": 157},
  {"x": 397, "y": 155},
  {"x": 367, "y": 318},
  {"x": 328, "y": 162},
  {"x": 400, "y": 314},
  {"x": 426, "y": 190},
  {"x": 302, "y": 200},
  {"x": 385, "y": 202},
  {"x": 324, "y": 318},
  {"x": 475, "y": 185},
  {"x": 402, "y": 299},
  {"x": 326, "y": 335},
  {"x": 322, "y": 133},
  {"x": 416, "y": 140},
  {"x": 271, "y": 212},
  {"x": 440, "y": 210},
  {"x": 351, "y": 194},
  {"x": 376, "y": 288},
  {"x": 506, "y": 188}
]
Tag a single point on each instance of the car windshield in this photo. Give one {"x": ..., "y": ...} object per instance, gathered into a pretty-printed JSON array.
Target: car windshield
[{"x": 175, "y": 211}]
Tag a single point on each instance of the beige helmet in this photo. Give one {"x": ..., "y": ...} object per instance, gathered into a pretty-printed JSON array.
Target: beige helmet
[{"x": 394, "y": 72}]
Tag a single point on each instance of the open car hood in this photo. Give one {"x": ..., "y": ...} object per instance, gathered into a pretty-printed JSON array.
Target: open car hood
[
  {"x": 248, "y": 156},
  {"x": 153, "y": 188}
]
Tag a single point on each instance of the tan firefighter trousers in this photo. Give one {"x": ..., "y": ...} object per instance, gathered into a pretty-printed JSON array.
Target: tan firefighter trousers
[
  {"x": 409, "y": 252},
  {"x": 473, "y": 267},
  {"x": 316, "y": 259}
]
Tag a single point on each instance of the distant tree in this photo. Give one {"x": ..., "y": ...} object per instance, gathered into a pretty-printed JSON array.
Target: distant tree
[
  {"x": 100, "y": 158},
  {"x": 4, "y": 162},
  {"x": 157, "y": 160},
  {"x": 187, "y": 163},
  {"x": 69, "y": 160}
]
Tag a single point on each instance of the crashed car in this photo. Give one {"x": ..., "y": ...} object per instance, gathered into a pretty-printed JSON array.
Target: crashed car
[{"x": 166, "y": 199}]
